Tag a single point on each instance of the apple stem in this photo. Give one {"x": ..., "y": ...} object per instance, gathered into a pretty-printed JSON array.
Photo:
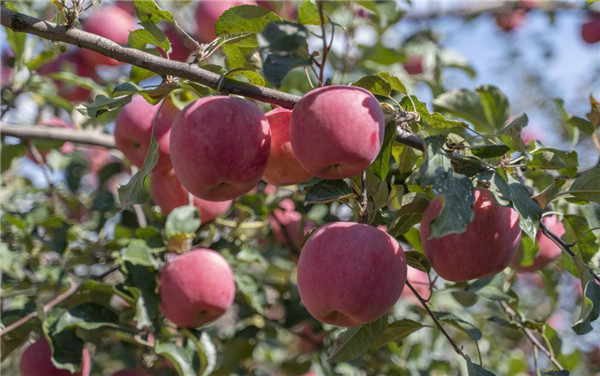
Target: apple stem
[
  {"x": 363, "y": 216},
  {"x": 513, "y": 315},
  {"x": 435, "y": 320}
]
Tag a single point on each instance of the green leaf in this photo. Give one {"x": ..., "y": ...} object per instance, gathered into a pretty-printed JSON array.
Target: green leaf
[
  {"x": 140, "y": 38},
  {"x": 138, "y": 253},
  {"x": 411, "y": 212},
  {"x": 71, "y": 78},
  {"x": 396, "y": 331},
  {"x": 208, "y": 355},
  {"x": 418, "y": 261},
  {"x": 529, "y": 210},
  {"x": 476, "y": 370},
  {"x": 554, "y": 159},
  {"x": 375, "y": 84},
  {"x": 582, "y": 124},
  {"x": 8, "y": 153},
  {"x": 587, "y": 186},
  {"x": 88, "y": 316},
  {"x": 355, "y": 341},
  {"x": 547, "y": 195},
  {"x": 381, "y": 165},
  {"x": 244, "y": 19},
  {"x": 137, "y": 74},
  {"x": 149, "y": 11},
  {"x": 468, "y": 166},
  {"x": 177, "y": 356},
  {"x": 282, "y": 36},
  {"x": 308, "y": 14},
  {"x": 328, "y": 191},
  {"x": 434, "y": 120},
  {"x": 491, "y": 288},
  {"x": 435, "y": 162},
  {"x": 66, "y": 350},
  {"x": 142, "y": 285},
  {"x": 489, "y": 150},
  {"x": 586, "y": 246},
  {"x": 276, "y": 67},
  {"x": 553, "y": 342},
  {"x": 251, "y": 76},
  {"x": 395, "y": 83},
  {"x": 590, "y": 310},
  {"x": 459, "y": 323},
  {"x": 102, "y": 104},
  {"x": 182, "y": 221}
]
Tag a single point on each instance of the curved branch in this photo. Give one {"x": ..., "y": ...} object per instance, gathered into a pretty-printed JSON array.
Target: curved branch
[{"x": 40, "y": 132}]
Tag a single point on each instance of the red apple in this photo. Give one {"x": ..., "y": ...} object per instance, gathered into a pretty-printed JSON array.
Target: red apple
[
  {"x": 36, "y": 361},
  {"x": 293, "y": 225},
  {"x": 350, "y": 273},
  {"x": 283, "y": 167},
  {"x": 220, "y": 147},
  {"x": 181, "y": 47},
  {"x": 337, "y": 131},
  {"x": 420, "y": 281},
  {"x": 414, "y": 65},
  {"x": 168, "y": 193},
  {"x": 508, "y": 21},
  {"x": 209, "y": 11},
  {"x": 196, "y": 288},
  {"x": 485, "y": 248},
  {"x": 590, "y": 31},
  {"x": 113, "y": 23},
  {"x": 133, "y": 131},
  {"x": 548, "y": 251},
  {"x": 70, "y": 61}
]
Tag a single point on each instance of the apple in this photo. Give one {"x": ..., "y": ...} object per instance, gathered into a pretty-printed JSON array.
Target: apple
[
  {"x": 548, "y": 251},
  {"x": 54, "y": 122},
  {"x": 110, "y": 22},
  {"x": 485, "y": 248},
  {"x": 413, "y": 65},
  {"x": 208, "y": 12},
  {"x": 350, "y": 273},
  {"x": 508, "y": 21},
  {"x": 195, "y": 288},
  {"x": 133, "y": 130},
  {"x": 220, "y": 147},
  {"x": 70, "y": 61},
  {"x": 6, "y": 71},
  {"x": 337, "y": 131},
  {"x": 283, "y": 167},
  {"x": 291, "y": 221},
  {"x": 420, "y": 281},
  {"x": 36, "y": 361},
  {"x": 181, "y": 47},
  {"x": 168, "y": 193},
  {"x": 129, "y": 373},
  {"x": 590, "y": 31}
]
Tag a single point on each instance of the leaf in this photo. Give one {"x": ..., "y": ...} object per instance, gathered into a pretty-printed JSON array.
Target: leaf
[
  {"x": 435, "y": 162},
  {"x": 395, "y": 83},
  {"x": 529, "y": 210},
  {"x": 327, "y": 191},
  {"x": 554, "y": 159},
  {"x": 476, "y": 370},
  {"x": 411, "y": 212},
  {"x": 208, "y": 355},
  {"x": 547, "y": 195},
  {"x": 434, "y": 120},
  {"x": 375, "y": 84},
  {"x": 355, "y": 341},
  {"x": 590, "y": 309},
  {"x": 251, "y": 76},
  {"x": 140, "y": 38},
  {"x": 66, "y": 350},
  {"x": 138, "y": 253},
  {"x": 177, "y": 357},
  {"x": 468, "y": 166},
  {"x": 102, "y": 104},
  {"x": 88, "y": 316},
  {"x": 142, "y": 285},
  {"x": 244, "y": 19},
  {"x": 396, "y": 331},
  {"x": 149, "y": 11},
  {"x": 182, "y": 221},
  {"x": 308, "y": 14},
  {"x": 381, "y": 165},
  {"x": 587, "y": 186},
  {"x": 586, "y": 246},
  {"x": 282, "y": 36},
  {"x": 490, "y": 150},
  {"x": 418, "y": 261},
  {"x": 491, "y": 288},
  {"x": 459, "y": 323},
  {"x": 276, "y": 67}
]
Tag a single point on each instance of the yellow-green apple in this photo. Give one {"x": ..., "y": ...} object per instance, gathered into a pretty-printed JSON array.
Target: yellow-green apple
[
  {"x": 287, "y": 219},
  {"x": 133, "y": 130},
  {"x": 195, "y": 288},
  {"x": 548, "y": 251},
  {"x": 590, "y": 31},
  {"x": 209, "y": 11},
  {"x": 168, "y": 193},
  {"x": 73, "y": 62},
  {"x": 350, "y": 273},
  {"x": 337, "y": 131},
  {"x": 283, "y": 167},
  {"x": 220, "y": 147},
  {"x": 110, "y": 22},
  {"x": 485, "y": 248},
  {"x": 36, "y": 361}
]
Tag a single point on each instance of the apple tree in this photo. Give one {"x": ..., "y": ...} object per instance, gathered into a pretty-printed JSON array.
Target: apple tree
[{"x": 291, "y": 188}]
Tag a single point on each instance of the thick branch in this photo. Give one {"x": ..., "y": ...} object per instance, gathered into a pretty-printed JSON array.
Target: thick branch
[
  {"x": 163, "y": 67},
  {"x": 40, "y": 132}
]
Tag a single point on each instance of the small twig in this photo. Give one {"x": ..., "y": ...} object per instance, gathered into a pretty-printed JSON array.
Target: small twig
[
  {"x": 435, "y": 320},
  {"x": 325, "y": 48},
  {"x": 48, "y": 306},
  {"x": 42, "y": 163},
  {"x": 363, "y": 216},
  {"x": 41, "y": 132},
  {"x": 512, "y": 314},
  {"x": 139, "y": 214}
]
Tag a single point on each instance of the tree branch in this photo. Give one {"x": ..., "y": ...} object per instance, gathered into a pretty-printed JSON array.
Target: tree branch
[{"x": 41, "y": 132}]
